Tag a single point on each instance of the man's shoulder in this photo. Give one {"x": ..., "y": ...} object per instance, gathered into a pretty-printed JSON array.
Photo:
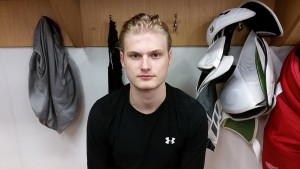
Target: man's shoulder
[
  {"x": 187, "y": 105},
  {"x": 114, "y": 96},
  {"x": 109, "y": 102},
  {"x": 179, "y": 96}
]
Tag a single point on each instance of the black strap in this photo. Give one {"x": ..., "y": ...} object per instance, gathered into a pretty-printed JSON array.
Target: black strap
[
  {"x": 298, "y": 52},
  {"x": 210, "y": 145}
]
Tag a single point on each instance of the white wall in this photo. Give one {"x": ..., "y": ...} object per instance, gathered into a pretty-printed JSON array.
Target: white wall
[{"x": 27, "y": 144}]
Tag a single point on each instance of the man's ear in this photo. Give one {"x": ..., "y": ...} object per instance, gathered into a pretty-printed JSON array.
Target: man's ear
[
  {"x": 170, "y": 56},
  {"x": 122, "y": 58}
]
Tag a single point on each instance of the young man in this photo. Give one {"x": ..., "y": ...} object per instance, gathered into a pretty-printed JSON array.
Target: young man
[{"x": 147, "y": 124}]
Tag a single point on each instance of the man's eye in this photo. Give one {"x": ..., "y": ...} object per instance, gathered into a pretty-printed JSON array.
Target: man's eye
[
  {"x": 135, "y": 56},
  {"x": 155, "y": 55}
]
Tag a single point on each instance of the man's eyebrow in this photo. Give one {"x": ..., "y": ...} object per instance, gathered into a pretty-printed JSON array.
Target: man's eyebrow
[
  {"x": 138, "y": 53},
  {"x": 157, "y": 50},
  {"x": 133, "y": 52}
]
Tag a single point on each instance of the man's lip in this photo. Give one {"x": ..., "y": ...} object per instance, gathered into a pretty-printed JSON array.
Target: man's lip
[{"x": 145, "y": 76}]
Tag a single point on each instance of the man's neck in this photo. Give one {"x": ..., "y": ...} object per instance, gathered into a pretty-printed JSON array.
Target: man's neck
[{"x": 147, "y": 101}]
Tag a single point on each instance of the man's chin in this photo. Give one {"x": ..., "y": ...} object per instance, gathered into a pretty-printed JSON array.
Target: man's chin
[{"x": 146, "y": 86}]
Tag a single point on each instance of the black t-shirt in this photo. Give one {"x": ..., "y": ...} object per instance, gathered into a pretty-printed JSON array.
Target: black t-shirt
[{"x": 172, "y": 137}]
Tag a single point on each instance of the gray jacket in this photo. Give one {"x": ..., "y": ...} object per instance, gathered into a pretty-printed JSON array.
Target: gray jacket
[{"x": 53, "y": 93}]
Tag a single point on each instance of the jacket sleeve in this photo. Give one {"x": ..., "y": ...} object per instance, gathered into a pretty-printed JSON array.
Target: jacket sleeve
[
  {"x": 193, "y": 155},
  {"x": 99, "y": 152}
]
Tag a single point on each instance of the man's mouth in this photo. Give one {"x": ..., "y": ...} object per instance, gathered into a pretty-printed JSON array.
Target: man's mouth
[{"x": 145, "y": 77}]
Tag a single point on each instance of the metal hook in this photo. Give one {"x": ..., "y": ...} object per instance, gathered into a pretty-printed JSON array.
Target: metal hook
[
  {"x": 175, "y": 25},
  {"x": 240, "y": 26},
  {"x": 110, "y": 17}
]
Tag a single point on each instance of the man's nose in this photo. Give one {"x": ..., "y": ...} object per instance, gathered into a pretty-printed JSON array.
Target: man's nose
[{"x": 146, "y": 63}]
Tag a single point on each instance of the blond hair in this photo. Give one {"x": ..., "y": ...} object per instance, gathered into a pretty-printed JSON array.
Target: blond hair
[{"x": 144, "y": 23}]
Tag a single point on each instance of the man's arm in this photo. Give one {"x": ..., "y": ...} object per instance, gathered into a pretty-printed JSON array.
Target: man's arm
[
  {"x": 194, "y": 151},
  {"x": 99, "y": 153}
]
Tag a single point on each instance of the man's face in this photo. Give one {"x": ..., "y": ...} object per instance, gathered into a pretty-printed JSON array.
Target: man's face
[{"x": 146, "y": 59}]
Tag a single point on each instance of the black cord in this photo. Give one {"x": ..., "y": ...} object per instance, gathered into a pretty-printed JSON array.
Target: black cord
[{"x": 298, "y": 52}]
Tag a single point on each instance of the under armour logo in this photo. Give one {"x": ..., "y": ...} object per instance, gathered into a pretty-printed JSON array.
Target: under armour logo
[{"x": 168, "y": 140}]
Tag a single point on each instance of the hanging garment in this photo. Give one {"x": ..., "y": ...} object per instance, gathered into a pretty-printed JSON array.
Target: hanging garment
[
  {"x": 281, "y": 143},
  {"x": 235, "y": 95},
  {"x": 114, "y": 67},
  {"x": 53, "y": 94}
]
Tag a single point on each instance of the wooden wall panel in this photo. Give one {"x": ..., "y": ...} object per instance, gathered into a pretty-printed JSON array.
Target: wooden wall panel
[
  {"x": 19, "y": 18},
  {"x": 193, "y": 17},
  {"x": 86, "y": 22},
  {"x": 288, "y": 13},
  {"x": 69, "y": 17},
  {"x": 11, "y": 31}
]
